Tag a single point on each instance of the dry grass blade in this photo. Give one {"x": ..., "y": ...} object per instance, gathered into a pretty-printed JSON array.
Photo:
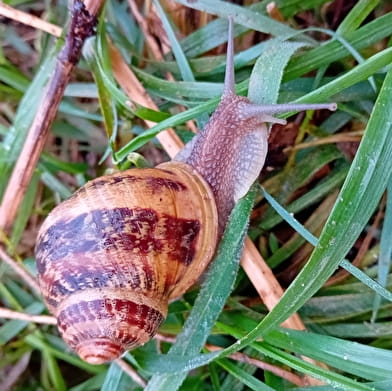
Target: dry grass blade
[
  {"x": 15, "y": 373},
  {"x": 29, "y": 20},
  {"x": 41, "y": 319},
  {"x": 20, "y": 271}
]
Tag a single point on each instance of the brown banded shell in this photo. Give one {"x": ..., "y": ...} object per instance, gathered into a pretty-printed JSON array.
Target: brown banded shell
[{"x": 110, "y": 257}]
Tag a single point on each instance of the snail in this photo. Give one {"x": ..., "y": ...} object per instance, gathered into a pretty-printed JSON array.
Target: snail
[{"x": 111, "y": 256}]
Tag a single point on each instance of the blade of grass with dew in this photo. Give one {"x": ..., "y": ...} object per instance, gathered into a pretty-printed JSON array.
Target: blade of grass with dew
[
  {"x": 361, "y": 360},
  {"x": 267, "y": 73},
  {"x": 211, "y": 35},
  {"x": 212, "y": 297},
  {"x": 384, "y": 259},
  {"x": 252, "y": 382},
  {"x": 185, "y": 69},
  {"x": 357, "y": 15},
  {"x": 206, "y": 65},
  {"x": 316, "y": 194},
  {"x": 215, "y": 32},
  {"x": 337, "y": 380},
  {"x": 117, "y": 380},
  {"x": 286, "y": 358},
  {"x": 339, "y": 307},
  {"x": 81, "y": 90},
  {"x": 68, "y": 107},
  {"x": 363, "y": 277},
  {"x": 375, "y": 386},
  {"x": 53, "y": 183},
  {"x": 231, "y": 382},
  {"x": 55, "y": 164},
  {"x": 134, "y": 109},
  {"x": 314, "y": 223},
  {"x": 359, "y": 274},
  {"x": 359, "y": 330},
  {"x": 360, "y": 72}
]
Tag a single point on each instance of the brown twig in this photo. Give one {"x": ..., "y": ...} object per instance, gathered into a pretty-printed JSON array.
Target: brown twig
[
  {"x": 29, "y": 20},
  {"x": 42, "y": 319},
  {"x": 20, "y": 271},
  {"x": 81, "y": 27},
  {"x": 131, "y": 372}
]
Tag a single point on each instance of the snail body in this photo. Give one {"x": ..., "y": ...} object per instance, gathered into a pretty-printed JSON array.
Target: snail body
[{"x": 111, "y": 256}]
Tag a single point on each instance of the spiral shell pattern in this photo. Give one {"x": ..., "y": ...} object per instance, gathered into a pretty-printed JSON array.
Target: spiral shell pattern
[{"x": 110, "y": 257}]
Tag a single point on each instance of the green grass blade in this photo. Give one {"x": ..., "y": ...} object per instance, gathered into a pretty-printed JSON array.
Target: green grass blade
[
  {"x": 252, "y": 382},
  {"x": 241, "y": 15},
  {"x": 54, "y": 372},
  {"x": 384, "y": 260},
  {"x": 267, "y": 73},
  {"x": 185, "y": 69},
  {"x": 334, "y": 180},
  {"x": 212, "y": 296},
  {"x": 12, "y": 328},
  {"x": 116, "y": 380},
  {"x": 357, "y": 15},
  {"x": 361, "y": 360}
]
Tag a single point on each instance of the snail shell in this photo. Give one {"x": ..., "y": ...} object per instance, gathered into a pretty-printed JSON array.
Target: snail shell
[{"x": 111, "y": 256}]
